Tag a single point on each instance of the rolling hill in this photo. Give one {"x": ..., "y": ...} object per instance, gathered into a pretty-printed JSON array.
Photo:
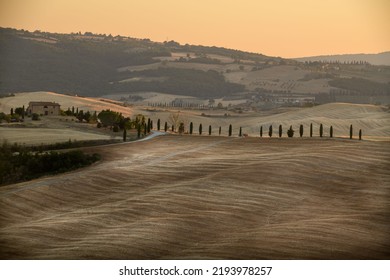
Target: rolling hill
[
  {"x": 374, "y": 59},
  {"x": 96, "y": 64},
  {"x": 181, "y": 197}
]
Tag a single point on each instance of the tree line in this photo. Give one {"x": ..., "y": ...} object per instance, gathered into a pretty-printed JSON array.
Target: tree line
[{"x": 290, "y": 131}]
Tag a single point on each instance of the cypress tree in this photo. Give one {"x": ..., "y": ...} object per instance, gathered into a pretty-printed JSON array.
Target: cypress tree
[
  {"x": 270, "y": 131},
  {"x": 311, "y": 130},
  {"x": 350, "y": 132},
  {"x": 230, "y": 130},
  {"x": 124, "y": 135},
  {"x": 220, "y": 130},
  {"x": 12, "y": 111},
  {"x": 158, "y": 124},
  {"x": 301, "y": 130},
  {"x": 280, "y": 131},
  {"x": 151, "y": 124},
  {"x": 360, "y": 134},
  {"x": 240, "y": 133},
  {"x": 23, "y": 112},
  {"x": 331, "y": 132},
  {"x": 209, "y": 129},
  {"x": 166, "y": 127},
  {"x": 321, "y": 130},
  {"x": 145, "y": 129},
  {"x": 191, "y": 128},
  {"x": 200, "y": 129},
  {"x": 261, "y": 131}
]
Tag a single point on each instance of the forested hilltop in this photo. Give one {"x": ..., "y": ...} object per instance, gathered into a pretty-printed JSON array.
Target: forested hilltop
[
  {"x": 99, "y": 64},
  {"x": 86, "y": 64}
]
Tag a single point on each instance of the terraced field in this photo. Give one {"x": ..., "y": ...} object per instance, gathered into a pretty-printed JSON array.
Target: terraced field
[{"x": 190, "y": 197}]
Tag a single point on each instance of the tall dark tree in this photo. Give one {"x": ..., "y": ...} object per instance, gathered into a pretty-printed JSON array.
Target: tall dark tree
[
  {"x": 151, "y": 124},
  {"x": 173, "y": 128},
  {"x": 209, "y": 129},
  {"x": 158, "y": 124},
  {"x": 191, "y": 128},
  {"x": 73, "y": 110},
  {"x": 145, "y": 128},
  {"x": 12, "y": 111},
  {"x": 261, "y": 131},
  {"x": 350, "y": 132},
  {"x": 220, "y": 130},
  {"x": 270, "y": 131},
  {"x": 360, "y": 134},
  {"x": 280, "y": 131},
  {"x": 200, "y": 129},
  {"x": 124, "y": 135},
  {"x": 23, "y": 112},
  {"x": 321, "y": 130},
  {"x": 331, "y": 132},
  {"x": 166, "y": 127},
  {"x": 301, "y": 130},
  {"x": 240, "y": 133},
  {"x": 311, "y": 130},
  {"x": 230, "y": 130}
]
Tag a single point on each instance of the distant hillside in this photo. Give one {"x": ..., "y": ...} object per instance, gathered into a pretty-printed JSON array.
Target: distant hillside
[
  {"x": 86, "y": 64},
  {"x": 98, "y": 64},
  {"x": 374, "y": 59}
]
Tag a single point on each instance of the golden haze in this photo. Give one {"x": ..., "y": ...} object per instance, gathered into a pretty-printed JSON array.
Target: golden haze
[{"x": 278, "y": 28}]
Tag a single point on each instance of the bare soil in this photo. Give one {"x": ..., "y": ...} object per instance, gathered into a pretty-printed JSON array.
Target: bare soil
[{"x": 192, "y": 197}]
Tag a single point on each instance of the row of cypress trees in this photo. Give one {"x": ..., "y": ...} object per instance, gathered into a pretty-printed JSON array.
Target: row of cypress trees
[{"x": 290, "y": 131}]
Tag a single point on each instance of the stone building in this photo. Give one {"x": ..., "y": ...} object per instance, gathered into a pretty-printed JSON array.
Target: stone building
[{"x": 44, "y": 108}]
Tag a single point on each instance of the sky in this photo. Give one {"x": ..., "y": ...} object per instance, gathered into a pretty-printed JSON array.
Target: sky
[{"x": 285, "y": 28}]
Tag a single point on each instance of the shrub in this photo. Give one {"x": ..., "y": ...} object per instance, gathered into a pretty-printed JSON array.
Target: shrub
[
  {"x": 290, "y": 132},
  {"x": 35, "y": 117}
]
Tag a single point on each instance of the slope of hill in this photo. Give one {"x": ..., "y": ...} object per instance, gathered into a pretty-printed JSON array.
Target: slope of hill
[
  {"x": 207, "y": 198},
  {"x": 374, "y": 59},
  {"x": 95, "y": 65}
]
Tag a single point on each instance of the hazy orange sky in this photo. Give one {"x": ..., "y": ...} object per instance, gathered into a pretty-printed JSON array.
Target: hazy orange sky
[{"x": 286, "y": 28}]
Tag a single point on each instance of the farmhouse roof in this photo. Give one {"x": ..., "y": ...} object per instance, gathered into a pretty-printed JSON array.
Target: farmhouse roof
[{"x": 43, "y": 103}]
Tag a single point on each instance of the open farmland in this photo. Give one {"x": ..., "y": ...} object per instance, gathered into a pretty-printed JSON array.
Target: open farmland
[{"x": 208, "y": 197}]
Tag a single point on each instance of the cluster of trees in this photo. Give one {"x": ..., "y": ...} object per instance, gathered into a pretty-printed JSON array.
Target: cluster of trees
[
  {"x": 15, "y": 115},
  {"x": 360, "y": 85},
  {"x": 191, "y": 82},
  {"x": 19, "y": 163}
]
